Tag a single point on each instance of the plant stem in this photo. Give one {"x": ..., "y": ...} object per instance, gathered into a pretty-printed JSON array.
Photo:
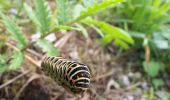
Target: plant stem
[{"x": 26, "y": 56}]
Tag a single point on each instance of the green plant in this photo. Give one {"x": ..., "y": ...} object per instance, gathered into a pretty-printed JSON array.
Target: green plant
[
  {"x": 145, "y": 20},
  {"x": 141, "y": 15},
  {"x": 153, "y": 68},
  {"x": 42, "y": 19},
  {"x": 107, "y": 32},
  {"x": 110, "y": 33},
  {"x": 47, "y": 21}
]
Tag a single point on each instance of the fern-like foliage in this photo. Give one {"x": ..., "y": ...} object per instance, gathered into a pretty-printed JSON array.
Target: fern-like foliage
[
  {"x": 14, "y": 30},
  {"x": 48, "y": 47},
  {"x": 120, "y": 37},
  {"x": 17, "y": 60},
  {"x": 31, "y": 14},
  {"x": 63, "y": 12},
  {"x": 96, "y": 8},
  {"x": 43, "y": 15}
]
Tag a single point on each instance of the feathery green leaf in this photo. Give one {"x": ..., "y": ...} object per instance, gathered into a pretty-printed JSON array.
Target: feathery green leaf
[
  {"x": 96, "y": 8},
  {"x": 43, "y": 15},
  {"x": 48, "y": 47},
  {"x": 120, "y": 36},
  {"x": 31, "y": 14},
  {"x": 14, "y": 30},
  {"x": 63, "y": 13},
  {"x": 17, "y": 60}
]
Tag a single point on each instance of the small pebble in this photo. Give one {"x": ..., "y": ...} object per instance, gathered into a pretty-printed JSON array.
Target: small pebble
[
  {"x": 112, "y": 85},
  {"x": 144, "y": 85},
  {"x": 125, "y": 80},
  {"x": 129, "y": 97}
]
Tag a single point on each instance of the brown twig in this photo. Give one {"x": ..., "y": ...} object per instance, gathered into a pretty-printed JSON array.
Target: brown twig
[
  {"x": 147, "y": 53},
  {"x": 14, "y": 79},
  {"x": 34, "y": 53},
  {"x": 133, "y": 86}
]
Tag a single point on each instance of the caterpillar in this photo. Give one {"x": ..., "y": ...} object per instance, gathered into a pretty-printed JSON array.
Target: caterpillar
[{"x": 72, "y": 75}]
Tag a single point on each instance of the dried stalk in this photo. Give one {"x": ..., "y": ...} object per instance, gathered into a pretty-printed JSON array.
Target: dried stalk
[{"x": 14, "y": 79}]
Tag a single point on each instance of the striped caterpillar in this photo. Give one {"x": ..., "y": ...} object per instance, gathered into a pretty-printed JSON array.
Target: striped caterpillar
[{"x": 71, "y": 75}]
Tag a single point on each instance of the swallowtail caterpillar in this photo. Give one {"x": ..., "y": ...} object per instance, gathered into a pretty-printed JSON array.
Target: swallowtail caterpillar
[{"x": 72, "y": 75}]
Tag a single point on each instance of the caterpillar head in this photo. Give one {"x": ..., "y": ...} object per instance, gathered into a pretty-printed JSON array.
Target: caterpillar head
[{"x": 79, "y": 77}]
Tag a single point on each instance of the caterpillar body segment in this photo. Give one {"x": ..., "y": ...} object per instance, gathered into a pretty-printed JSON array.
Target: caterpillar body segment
[{"x": 70, "y": 74}]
